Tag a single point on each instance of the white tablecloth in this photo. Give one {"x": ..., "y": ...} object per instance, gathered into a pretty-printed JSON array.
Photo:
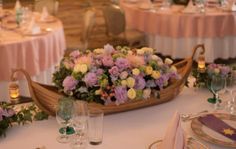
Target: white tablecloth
[{"x": 128, "y": 130}]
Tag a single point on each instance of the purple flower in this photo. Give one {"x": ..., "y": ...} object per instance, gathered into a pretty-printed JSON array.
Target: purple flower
[
  {"x": 122, "y": 63},
  {"x": 150, "y": 84},
  {"x": 100, "y": 71},
  {"x": 91, "y": 79},
  {"x": 108, "y": 48},
  {"x": 139, "y": 83},
  {"x": 174, "y": 75},
  {"x": 8, "y": 112},
  {"x": 160, "y": 82},
  {"x": 107, "y": 61},
  {"x": 75, "y": 54},
  {"x": 120, "y": 94},
  {"x": 69, "y": 83},
  {"x": 224, "y": 70},
  {"x": 114, "y": 71}
]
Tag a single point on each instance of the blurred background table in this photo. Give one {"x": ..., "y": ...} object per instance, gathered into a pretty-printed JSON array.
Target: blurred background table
[
  {"x": 37, "y": 54},
  {"x": 175, "y": 33},
  {"x": 135, "y": 129}
]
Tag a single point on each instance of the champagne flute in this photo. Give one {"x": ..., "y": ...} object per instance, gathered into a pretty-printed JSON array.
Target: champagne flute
[
  {"x": 217, "y": 83},
  {"x": 80, "y": 124},
  {"x": 64, "y": 113}
]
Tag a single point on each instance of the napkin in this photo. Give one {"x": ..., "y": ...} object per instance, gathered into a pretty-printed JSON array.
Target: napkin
[
  {"x": 216, "y": 124},
  {"x": 233, "y": 7},
  {"x": 44, "y": 14},
  {"x": 17, "y": 5},
  {"x": 174, "y": 137},
  {"x": 190, "y": 8},
  {"x": 33, "y": 28}
]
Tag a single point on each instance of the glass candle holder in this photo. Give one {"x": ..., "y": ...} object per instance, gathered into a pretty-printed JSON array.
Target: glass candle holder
[{"x": 14, "y": 91}]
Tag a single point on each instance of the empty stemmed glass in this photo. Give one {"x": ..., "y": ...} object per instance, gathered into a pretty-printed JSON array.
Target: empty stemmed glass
[
  {"x": 64, "y": 113},
  {"x": 80, "y": 125},
  {"x": 217, "y": 83},
  {"x": 231, "y": 91}
]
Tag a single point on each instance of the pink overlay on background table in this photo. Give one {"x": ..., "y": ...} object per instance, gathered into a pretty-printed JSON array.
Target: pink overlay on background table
[
  {"x": 174, "y": 33},
  {"x": 37, "y": 54}
]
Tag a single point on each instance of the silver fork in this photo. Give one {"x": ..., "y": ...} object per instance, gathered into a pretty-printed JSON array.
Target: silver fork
[{"x": 187, "y": 117}]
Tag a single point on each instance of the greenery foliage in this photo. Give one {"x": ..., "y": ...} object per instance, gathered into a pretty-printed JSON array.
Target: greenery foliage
[{"x": 10, "y": 116}]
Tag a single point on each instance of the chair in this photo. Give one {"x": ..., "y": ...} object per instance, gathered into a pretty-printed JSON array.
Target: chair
[
  {"x": 52, "y": 6},
  {"x": 87, "y": 28},
  {"x": 116, "y": 27}
]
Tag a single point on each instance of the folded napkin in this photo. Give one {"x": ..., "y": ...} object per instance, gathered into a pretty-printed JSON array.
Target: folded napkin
[
  {"x": 17, "y": 5},
  {"x": 44, "y": 14},
  {"x": 33, "y": 28},
  {"x": 216, "y": 124},
  {"x": 174, "y": 137},
  {"x": 233, "y": 7},
  {"x": 190, "y": 8}
]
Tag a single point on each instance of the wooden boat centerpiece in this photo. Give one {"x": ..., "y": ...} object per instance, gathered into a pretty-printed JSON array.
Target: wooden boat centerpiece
[{"x": 142, "y": 86}]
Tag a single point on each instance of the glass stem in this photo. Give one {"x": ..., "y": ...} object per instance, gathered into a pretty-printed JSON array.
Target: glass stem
[{"x": 217, "y": 104}]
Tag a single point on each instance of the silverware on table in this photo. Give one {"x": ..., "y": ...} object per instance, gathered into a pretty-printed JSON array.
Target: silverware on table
[{"x": 187, "y": 117}]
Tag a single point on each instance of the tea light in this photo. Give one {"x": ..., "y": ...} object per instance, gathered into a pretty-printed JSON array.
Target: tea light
[
  {"x": 14, "y": 91},
  {"x": 201, "y": 63}
]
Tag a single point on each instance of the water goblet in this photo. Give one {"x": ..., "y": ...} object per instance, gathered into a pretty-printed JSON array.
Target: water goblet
[
  {"x": 217, "y": 83},
  {"x": 80, "y": 125},
  {"x": 64, "y": 113}
]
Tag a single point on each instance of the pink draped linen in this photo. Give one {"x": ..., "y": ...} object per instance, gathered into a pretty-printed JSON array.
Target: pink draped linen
[
  {"x": 35, "y": 54},
  {"x": 177, "y": 24}
]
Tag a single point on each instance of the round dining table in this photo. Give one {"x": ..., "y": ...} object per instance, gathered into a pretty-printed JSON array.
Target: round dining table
[
  {"x": 174, "y": 31},
  {"x": 37, "y": 53},
  {"x": 135, "y": 129}
]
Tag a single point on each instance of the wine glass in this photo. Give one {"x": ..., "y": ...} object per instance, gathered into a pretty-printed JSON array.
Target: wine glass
[
  {"x": 64, "y": 113},
  {"x": 80, "y": 124},
  {"x": 217, "y": 83}
]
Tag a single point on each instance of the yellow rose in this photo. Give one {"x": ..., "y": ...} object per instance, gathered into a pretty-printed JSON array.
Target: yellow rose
[
  {"x": 130, "y": 82},
  {"x": 136, "y": 71},
  {"x": 216, "y": 70},
  {"x": 131, "y": 93},
  {"x": 98, "y": 51},
  {"x": 147, "y": 50},
  {"x": 173, "y": 69},
  {"x": 148, "y": 70},
  {"x": 156, "y": 74},
  {"x": 81, "y": 68},
  {"x": 124, "y": 83},
  {"x": 104, "y": 83},
  {"x": 98, "y": 92}
]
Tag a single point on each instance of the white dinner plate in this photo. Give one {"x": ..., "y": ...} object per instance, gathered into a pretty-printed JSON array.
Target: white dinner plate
[{"x": 191, "y": 144}]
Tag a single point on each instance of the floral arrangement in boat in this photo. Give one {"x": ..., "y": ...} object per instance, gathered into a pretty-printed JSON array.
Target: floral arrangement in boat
[{"x": 114, "y": 75}]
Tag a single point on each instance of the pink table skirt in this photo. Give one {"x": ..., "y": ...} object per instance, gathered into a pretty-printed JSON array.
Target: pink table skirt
[
  {"x": 32, "y": 53},
  {"x": 177, "y": 24}
]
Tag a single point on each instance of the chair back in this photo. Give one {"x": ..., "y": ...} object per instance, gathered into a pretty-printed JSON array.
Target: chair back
[
  {"x": 52, "y": 6},
  {"x": 88, "y": 24},
  {"x": 115, "y": 19}
]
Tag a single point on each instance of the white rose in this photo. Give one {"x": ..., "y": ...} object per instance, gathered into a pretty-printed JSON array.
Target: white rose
[{"x": 168, "y": 61}]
